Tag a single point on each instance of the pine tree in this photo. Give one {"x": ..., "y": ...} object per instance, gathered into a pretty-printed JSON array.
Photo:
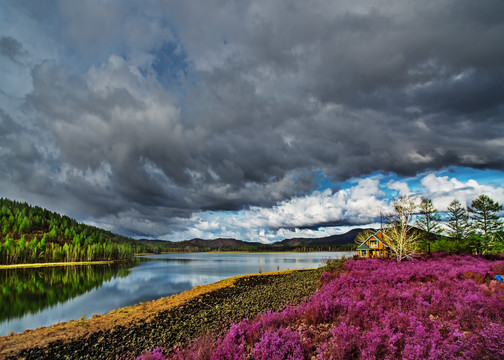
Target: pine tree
[
  {"x": 458, "y": 222},
  {"x": 53, "y": 234},
  {"x": 483, "y": 212},
  {"x": 33, "y": 248},
  {"x": 428, "y": 221},
  {"x": 9, "y": 249},
  {"x": 25, "y": 226}
]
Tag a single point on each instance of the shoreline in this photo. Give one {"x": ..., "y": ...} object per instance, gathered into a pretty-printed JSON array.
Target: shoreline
[
  {"x": 246, "y": 252},
  {"x": 74, "y": 263},
  {"x": 118, "y": 322},
  {"x": 284, "y": 252}
]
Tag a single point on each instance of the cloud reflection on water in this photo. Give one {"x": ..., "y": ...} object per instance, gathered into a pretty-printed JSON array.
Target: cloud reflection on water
[{"x": 160, "y": 276}]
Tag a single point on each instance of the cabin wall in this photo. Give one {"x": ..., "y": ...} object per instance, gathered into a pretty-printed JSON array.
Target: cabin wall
[{"x": 377, "y": 248}]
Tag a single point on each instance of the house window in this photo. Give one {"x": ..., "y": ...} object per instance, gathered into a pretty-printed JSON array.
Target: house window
[
  {"x": 363, "y": 252},
  {"x": 373, "y": 243}
]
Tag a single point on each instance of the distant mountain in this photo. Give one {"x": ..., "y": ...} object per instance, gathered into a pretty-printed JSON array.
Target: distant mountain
[
  {"x": 341, "y": 239},
  {"x": 157, "y": 242},
  {"x": 201, "y": 243},
  {"x": 333, "y": 240},
  {"x": 221, "y": 243}
]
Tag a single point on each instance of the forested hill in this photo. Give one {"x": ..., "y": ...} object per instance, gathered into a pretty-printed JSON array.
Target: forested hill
[{"x": 33, "y": 234}]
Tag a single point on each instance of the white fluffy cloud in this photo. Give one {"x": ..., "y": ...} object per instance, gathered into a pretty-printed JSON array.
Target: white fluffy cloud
[
  {"x": 357, "y": 205},
  {"x": 443, "y": 190},
  {"x": 399, "y": 186}
]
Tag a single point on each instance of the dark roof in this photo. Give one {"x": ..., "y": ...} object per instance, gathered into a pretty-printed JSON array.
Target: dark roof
[{"x": 363, "y": 246}]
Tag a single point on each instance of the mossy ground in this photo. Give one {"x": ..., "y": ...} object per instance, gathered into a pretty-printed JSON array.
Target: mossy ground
[{"x": 208, "y": 312}]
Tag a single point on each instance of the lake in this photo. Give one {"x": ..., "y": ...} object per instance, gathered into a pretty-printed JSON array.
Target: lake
[{"x": 30, "y": 298}]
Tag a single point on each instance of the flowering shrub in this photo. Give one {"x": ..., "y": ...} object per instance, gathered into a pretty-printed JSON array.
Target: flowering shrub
[
  {"x": 283, "y": 344},
  {"x": 232, "y": 347},
  {"x": 437, "y": 308},
  {"x": 155, "y": 354}
]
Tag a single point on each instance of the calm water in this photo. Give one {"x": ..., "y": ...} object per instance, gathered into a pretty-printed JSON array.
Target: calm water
[{"x": 30, "y": 298}]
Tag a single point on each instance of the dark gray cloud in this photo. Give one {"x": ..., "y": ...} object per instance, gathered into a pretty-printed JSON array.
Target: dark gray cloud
[
  {"x": 11, "y": 48},
  {"x": 158, "y": 111}
]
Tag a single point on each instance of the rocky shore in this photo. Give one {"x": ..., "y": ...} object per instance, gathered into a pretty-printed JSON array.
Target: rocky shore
[{"x": 169, "y": 322}]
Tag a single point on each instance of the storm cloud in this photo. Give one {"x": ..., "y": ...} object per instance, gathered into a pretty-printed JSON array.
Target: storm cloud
[{"x": 137, "y": 116}]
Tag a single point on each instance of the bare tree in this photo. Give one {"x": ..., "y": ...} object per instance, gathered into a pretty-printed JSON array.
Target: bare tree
[
  {"x": 404, "y": 240},
  {"x": 363, "y": 236}
]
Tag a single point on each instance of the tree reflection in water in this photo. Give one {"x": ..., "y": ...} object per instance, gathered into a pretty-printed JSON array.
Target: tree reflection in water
[{"x": 26, "y": 291}]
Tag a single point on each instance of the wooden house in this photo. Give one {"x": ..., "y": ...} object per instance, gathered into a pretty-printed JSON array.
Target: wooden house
[{"x": 375, "y": 246}]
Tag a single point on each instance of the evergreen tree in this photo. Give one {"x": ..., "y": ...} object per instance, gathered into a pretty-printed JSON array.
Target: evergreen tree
[
  {"x": 486, "y": 222},
  {"x": 9, "y": 249},
  {"x": 53, "y": 234},
  {"x": 458, "y": 223},
  {"x": 25, "y": 226},
  {"x": 20, "y": 249},
  {"x": 428, "y": 221},
  {"x": 33, "y": 248}
]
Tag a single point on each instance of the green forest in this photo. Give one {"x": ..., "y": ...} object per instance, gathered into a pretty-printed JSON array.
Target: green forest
[{"x": 31, "y": 234}]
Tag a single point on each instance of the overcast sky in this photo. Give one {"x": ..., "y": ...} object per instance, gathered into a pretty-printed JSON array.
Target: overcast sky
[{"x": 258, "y": 120}]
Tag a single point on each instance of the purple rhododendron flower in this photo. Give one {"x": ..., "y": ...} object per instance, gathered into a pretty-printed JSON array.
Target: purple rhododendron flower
[
  {"x": 436, "y": 308},
  {"x": 283, "y": 344},
  {"x": 155, "y": 354}
]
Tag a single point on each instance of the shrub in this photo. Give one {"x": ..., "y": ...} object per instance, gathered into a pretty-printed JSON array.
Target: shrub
[
  {"x": 282, "y": 344},
  {"x": 436, "y": 308},
  {"x": 155, "y": 354}
]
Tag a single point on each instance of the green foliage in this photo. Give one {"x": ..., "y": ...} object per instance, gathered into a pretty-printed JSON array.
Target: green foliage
[
  {"x": 61, "y": 238},
  {"x": 447, "y": 244},
  {"x": 53, "y": 234},
  {"x": 486, "y": 222},
  {"x": 25, "y": 226},
  {"x": 428, "y": 221},
  {"x": 458, "y": 224}
]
